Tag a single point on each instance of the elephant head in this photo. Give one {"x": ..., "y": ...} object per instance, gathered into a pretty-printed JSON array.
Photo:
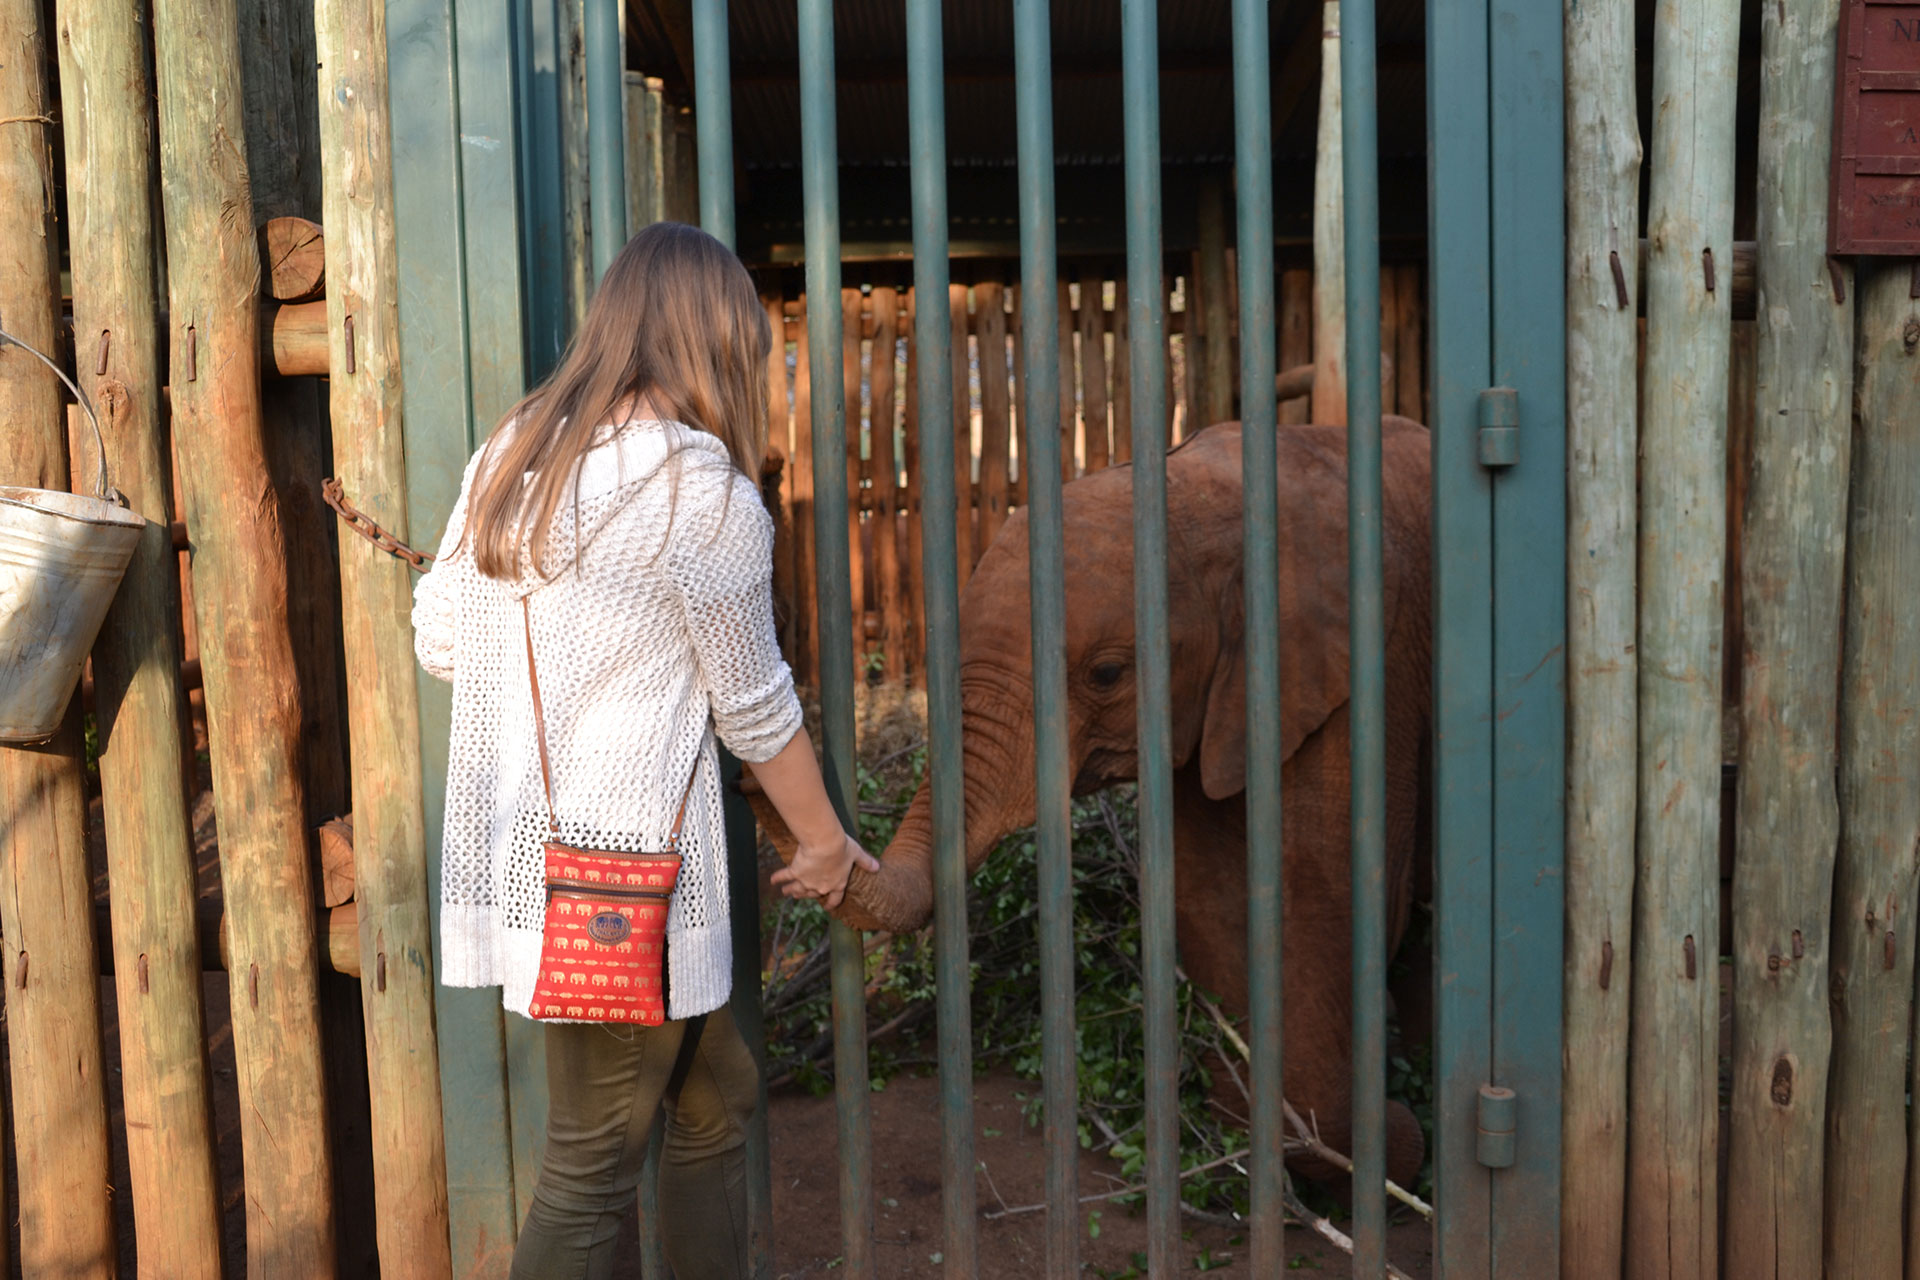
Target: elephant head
[{"x": 1207, "y": 617}]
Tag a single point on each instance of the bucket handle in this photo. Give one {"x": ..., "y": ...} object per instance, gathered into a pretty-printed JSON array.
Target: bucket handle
[{"x": 102, "y": 489}]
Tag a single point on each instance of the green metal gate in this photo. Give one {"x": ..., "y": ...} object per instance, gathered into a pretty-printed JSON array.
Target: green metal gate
[
  {"x": 483, "y": 252},
  {"x": 1499, "y": 474}
]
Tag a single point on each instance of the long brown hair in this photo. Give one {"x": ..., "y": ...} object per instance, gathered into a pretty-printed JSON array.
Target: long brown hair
[{"x": 676, "y": 320}]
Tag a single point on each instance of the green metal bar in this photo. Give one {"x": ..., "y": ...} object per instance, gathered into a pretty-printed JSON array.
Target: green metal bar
[
  {"x": 1040, "y": 339},
  {"x": 541, "y": 183},
  {"x": 1253, "y": 150},
  {"x": 1365, "y": 621},
  {"x": 713, "y": 117},
  {"x": 743, "y": 872},
  {"x": 1140, "y": 51},
  {"x": 426, "y": 45},
  {"x": 1529, "y": 622},
  {"x": 606, "y": 131},
  {"x": 1459, "y": 334},
  {"x": 820, "y": 178},
  {"x": 933, "y": 331}
]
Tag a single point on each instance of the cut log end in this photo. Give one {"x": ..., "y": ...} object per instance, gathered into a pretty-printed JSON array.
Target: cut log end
[
  {"x": 335, "y": 841},
  {"x": 293, "y": 259}
]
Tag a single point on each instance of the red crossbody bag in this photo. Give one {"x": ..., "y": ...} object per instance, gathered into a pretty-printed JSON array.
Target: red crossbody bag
[{"x": 603, "y": 948}]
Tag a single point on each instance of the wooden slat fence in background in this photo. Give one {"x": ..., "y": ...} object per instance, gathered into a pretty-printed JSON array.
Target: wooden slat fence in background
[{"x": 883, "y": 417}]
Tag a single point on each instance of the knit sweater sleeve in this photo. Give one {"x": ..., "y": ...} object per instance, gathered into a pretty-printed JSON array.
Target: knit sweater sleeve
[
  {"x": 721, "y": 560},
  {"x": 436, "y": 597}
]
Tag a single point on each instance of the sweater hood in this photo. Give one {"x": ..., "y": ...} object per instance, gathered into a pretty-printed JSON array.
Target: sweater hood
[{"x": 621, "y": 458}]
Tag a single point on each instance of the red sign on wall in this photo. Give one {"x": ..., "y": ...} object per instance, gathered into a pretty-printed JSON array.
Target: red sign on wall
[{"x": 1876, "y": 156}]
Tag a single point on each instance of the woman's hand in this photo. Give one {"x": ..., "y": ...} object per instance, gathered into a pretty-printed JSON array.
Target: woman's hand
[{"x": 822, "y": 871}]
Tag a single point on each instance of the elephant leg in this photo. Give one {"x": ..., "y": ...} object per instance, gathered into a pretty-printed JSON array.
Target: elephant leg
[{"x": 1317, "y": 939}]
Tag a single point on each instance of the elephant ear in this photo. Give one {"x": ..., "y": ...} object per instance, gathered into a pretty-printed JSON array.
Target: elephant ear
[{"x": 1314, "y": 653}]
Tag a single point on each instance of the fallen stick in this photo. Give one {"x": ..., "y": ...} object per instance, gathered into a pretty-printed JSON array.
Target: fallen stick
[
  {"x": 1006, "y": 1211},
  {"x": 1332, "y": 1234},
  {"x": 1309, "y": 1139}
]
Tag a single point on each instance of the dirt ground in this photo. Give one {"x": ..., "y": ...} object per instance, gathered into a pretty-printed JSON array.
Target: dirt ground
[
  {"x": 806, "y": 1203},
  {"x": 906, "y": 1146}
]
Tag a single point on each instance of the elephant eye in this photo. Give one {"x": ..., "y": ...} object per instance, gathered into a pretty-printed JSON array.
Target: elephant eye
[{"x": 1108, "y": 674}]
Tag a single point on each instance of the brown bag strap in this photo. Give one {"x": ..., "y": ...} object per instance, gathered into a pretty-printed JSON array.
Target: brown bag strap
[{"x": 540, "y": 740}]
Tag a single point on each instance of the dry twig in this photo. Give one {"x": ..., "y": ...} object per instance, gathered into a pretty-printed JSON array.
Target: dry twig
[{"x": 1308, "y": 1138}]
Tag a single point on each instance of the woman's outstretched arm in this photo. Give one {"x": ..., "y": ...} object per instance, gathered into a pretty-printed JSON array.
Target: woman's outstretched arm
[{"x": 827, "y": 854}]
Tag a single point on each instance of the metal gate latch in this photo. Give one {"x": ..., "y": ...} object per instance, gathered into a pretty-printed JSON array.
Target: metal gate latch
[
  {"x": 1498, "y": 1118},
  {"x": 1499, "y": 427}
]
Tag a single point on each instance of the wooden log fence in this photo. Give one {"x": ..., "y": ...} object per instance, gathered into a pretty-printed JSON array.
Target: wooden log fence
[
  {"x": 1871, "y": 984},
  {"x": 391, "y": 900},
  {"x": 58, "y": 1105},
  {"x": 139, "y": 680},
  {"x": 1673, "y": 1072},
  {"x": 1775, "y": 486},
  {"x": 883, "y": 483},
  {"x": 252, "y": 691},
  {"x": 1792, "y": 566},
  {"x": 1603, "y": 210}
]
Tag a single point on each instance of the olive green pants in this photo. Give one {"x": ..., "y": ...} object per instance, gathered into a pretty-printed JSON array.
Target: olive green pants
[{"x": 605, "y": 1085}]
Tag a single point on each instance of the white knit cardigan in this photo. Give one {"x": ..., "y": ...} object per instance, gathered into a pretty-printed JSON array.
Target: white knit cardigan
[{"x": 661, "y": 635}]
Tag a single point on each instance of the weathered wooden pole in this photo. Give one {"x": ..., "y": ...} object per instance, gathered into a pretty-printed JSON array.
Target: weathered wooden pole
[
  {"x": 106, "y": 89},
  {"x": 1874, "y": 882},
  {"x": 1793, "y": 559},
  {"x": 247, "y": 656},
  {"x": 1603, "y": 216},
  {"x": 376, "y": 595},
  {"x": 1328, "y": 404},
  {"x": 1673, "y": 1076},
  {"x": 1888, "y": 390},
  {"x": 1216, "y": 305},
  {"x": 46, "y": 892}
]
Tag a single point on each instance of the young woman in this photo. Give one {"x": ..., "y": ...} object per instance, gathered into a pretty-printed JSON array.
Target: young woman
[{"x": 611, "y": 534}]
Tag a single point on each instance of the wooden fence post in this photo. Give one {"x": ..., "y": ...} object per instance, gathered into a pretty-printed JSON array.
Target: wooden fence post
[
  {"x": 1673, "y": 1075},
  {"x": 1793, "y": 560},
  {"x": 376, "y": 592},
  {"x": 107, "y": 91},
  {"x": 1603, "y": 214},
  {"x": 1216, "y": 304},
  {"x": 852, "y": 306},
  {"x": 1328, "y": 404},
  {"x": 1874, "y": 884},
  {"x": 1093, "y": 369},
  {"x": 995, "y": 456},
  {"x": 884, "y": 417},
  {"x": 1889, "y": 398},
  {"x": 247, "y": 654},
  {"x": 46, "y": 892}
]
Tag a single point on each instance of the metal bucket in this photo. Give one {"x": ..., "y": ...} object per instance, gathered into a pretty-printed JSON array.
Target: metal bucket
[{"x": 62, "y": 556}]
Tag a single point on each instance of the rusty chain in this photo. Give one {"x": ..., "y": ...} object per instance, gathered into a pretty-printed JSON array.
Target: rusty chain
[{"x": 363, "y": 524}]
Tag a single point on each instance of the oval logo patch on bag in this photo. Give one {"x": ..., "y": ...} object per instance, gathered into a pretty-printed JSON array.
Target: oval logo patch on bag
[{"x": 609, "y": 928}]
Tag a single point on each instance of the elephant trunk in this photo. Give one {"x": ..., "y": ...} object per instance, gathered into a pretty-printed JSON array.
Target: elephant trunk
[{"x": 997, "y": 762}]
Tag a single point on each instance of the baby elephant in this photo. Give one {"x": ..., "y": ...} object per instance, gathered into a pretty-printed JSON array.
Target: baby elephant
[{"x": 1206, "y": 608}]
